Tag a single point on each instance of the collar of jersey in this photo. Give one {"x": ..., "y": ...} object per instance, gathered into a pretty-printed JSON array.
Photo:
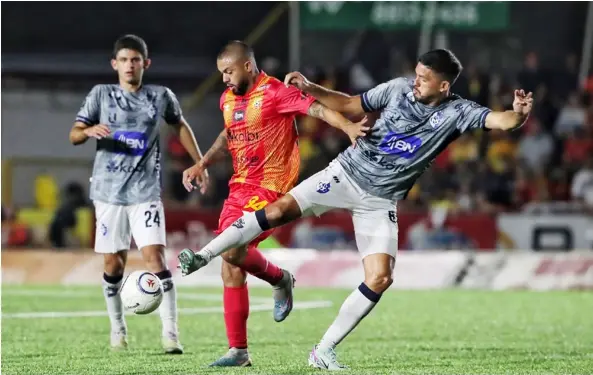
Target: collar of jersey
[{"x": 258, "y": 80}]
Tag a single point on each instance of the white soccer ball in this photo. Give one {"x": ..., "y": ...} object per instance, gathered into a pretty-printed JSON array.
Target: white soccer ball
[{"x": 141, "y": 292}]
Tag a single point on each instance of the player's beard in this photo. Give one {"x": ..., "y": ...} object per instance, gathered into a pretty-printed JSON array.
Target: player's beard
[{"x": 241, "y": 88}]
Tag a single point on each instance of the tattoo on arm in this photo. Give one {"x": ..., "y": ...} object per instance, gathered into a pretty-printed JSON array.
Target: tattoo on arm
[
  {"x": 317, "y": 110},
  {"x": 218, "y": 149}
]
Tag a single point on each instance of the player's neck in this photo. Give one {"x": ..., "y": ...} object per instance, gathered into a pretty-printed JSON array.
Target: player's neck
[
  {"x": 253, "y": 80},
  {"x": 438, "y": 101},
  {"x": 129, "y": 87}
]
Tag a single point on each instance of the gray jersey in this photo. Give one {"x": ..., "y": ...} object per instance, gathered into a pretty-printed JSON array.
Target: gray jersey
[
  {"x": 127, "y": 168},
  {"x": 406, "y": 138}
]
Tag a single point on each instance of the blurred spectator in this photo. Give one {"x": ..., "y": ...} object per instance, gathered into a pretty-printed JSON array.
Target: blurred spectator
[
  {"x": 473, "y": 85},
  {"x": 502, "y": 149},
  {"x": 582, "y": 184},
  {"x": 14, "y": 234},
  {"x": 578, "y": 146},
  {"x": 65, "y": 217},
  {"x": 571, "y": 117},
  {"x": 179, "y": 160},
  {"x": 531, "y": 76},
  {"x": 464, "y": 149},
  {"x": 536, "y": 146},
  {"x": 567, "y": 79}
]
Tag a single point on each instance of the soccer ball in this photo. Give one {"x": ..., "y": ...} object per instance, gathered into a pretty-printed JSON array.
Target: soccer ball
[{"x": 141, "y": 292}]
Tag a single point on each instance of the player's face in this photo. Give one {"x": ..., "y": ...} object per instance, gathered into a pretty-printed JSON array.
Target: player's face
[
  {"x": 130, "y": 66},
  {"x": 428, "y": 85},
  {"x": 235, "y": 73}
]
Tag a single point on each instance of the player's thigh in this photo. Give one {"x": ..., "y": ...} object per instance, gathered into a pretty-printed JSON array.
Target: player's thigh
[
  {"x": 324, "y": 191},
  {"x": 147, "y": 221},
  {"x": 113, "y": 232},
  {"x": 375, "y": 227}
]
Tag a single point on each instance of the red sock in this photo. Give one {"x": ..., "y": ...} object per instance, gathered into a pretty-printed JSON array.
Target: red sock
[
  {"x": 236, "y": 312},
  {"x": 256, "y": 264}
]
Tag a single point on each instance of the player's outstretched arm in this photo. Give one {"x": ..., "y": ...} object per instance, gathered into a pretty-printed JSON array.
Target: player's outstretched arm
[
  {"x": 334, "y": 100},
  {"x": 335, "y": 119},
  {"x": 509, "y": 120},
  {"x": 188, "y": 140}
]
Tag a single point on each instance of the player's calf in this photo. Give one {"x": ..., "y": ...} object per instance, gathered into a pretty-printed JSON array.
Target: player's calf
[
  {"x": 114, "y": 265},
  {"x": 154, "y": 258}
]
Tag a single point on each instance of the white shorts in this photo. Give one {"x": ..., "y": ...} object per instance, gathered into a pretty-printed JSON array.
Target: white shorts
[
  {"x": 374, "y": 218},
  {"x": 117, "y": 224}
]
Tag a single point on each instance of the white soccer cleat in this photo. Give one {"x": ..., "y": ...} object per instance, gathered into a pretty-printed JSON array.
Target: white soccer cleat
[
  {"x": 119, "y": 340},
  {"x": 325, "y": 358},
  {"x": 171, "y": 344}
]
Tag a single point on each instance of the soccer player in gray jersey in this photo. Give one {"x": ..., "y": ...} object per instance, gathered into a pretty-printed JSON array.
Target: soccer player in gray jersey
[
  {"x": 418, "y": 119},
  {"x": 126, "y": 183}
]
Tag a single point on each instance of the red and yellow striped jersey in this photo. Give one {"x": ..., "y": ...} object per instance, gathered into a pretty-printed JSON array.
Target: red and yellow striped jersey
[{"x": 262, "y": 135}]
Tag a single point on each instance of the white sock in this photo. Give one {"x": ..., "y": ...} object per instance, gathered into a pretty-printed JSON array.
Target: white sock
[
  {"x": 168, "y": 307},
  {"x": 358, "y": 304},
  {"x": 115, "y": 309},
  {"x": 241, "y": 232}
]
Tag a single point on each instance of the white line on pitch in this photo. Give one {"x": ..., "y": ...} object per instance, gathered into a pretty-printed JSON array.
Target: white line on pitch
[
  {"x": 185, "y": 311},
  {"x": 85, "y": 294}
]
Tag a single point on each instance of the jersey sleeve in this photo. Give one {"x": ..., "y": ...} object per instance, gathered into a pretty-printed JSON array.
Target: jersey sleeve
[
  {"x": 471, "y": 116},
  {"x": 173, "y": 112},
  {"x": 90, "y": 111},
  {"x": 290, "y": 100},
  {"x": 378, "y": 97}
]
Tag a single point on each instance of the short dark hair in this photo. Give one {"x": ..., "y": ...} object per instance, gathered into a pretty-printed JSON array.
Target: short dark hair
[
  {"x": 132, "y": 42},
  {"x": 239, "y": 47},
  {"x": 443, "y": 62}
]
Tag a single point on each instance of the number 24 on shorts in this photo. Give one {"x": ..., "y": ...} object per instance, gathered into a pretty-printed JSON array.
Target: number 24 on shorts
[{"x": 152, "y": 218}]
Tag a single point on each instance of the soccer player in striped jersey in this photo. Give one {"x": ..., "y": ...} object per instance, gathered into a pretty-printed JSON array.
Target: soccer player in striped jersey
[{"x": 260, "y": 134}]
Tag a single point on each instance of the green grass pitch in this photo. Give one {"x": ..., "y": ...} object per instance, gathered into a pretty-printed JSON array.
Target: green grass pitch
[{"x": 410, "y": 332}]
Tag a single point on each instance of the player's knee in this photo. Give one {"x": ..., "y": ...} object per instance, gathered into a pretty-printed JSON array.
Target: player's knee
[
  {"x": 154, "y": 258},
  {"x": 379, "y": 281},
  {"x": 114, "y": 264},
  {"x": 282, "y": 211},
  {"x": 232, "y": 276},
  {"x": 235, "y": 256}
]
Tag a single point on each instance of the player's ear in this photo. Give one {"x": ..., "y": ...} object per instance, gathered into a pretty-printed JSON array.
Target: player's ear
[
  {"x": 114, "y": 64},
  {"x": 248, "y": 66},
  {"x": 445, "y": 86},
  {"x": 147, "y": 63}
]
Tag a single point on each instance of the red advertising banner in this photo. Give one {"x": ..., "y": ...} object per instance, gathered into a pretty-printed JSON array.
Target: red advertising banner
[{"x": 334, "y": 230}]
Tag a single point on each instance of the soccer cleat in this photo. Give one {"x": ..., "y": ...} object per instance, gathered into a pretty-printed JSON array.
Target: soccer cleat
[
  {"x": 233, "y": 358},
  {"x": 283, "y": 300},
  {"x": 190, "y": 262},
  {"x": 171, "y": 344},
  {"x": 325, "y": 358},
  {"x": 119, "y": 340}
]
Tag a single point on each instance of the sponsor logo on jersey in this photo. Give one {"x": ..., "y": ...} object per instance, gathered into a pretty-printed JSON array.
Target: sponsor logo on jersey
[
  {"x": 113, "y": 167},
  {"x": 323, "y": 187},
  {"x": 130, "y": 143},
  {"x": 244, "y": 136},
  {"x": 436, "y": 119},
  {"x": 263, "y": 87},
  {"x": 401, "y": 145},
  {"x": 239, "y": 115}
]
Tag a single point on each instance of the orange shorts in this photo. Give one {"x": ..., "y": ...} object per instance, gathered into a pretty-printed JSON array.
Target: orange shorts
[{"x": 246, "y": 197}]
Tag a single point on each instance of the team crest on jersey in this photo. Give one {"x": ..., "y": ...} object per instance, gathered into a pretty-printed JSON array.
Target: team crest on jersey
[
  {"x": 226, "y": 107},
  {"x": 151, "y": 111},
  {"x": 323, "y": 187},
  {"x": 410, "y": 96},
  {"x": 257, "y": 103},
  {"x": 436, "y": 119}
]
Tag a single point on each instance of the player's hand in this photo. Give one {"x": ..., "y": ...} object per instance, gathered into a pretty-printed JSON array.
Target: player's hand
[
  {"x": 523, "y": 102},
  {"x": 197, "y": 173},
  {"x": 357, "y": 129},
  {"x": 97, "y": 131},
  {"x": 296, "y": 79}
]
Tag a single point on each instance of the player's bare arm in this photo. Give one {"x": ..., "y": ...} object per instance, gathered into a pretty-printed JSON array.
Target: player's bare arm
[
  {"x": 334, "y": 100},
  {"x": 216, "y": 153},
  {"x": 81, "y": 132},
  {"x": 188, "y": 140},
  {"x": 509, "y": 120},
  {"x": 335, "y": 119}
]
